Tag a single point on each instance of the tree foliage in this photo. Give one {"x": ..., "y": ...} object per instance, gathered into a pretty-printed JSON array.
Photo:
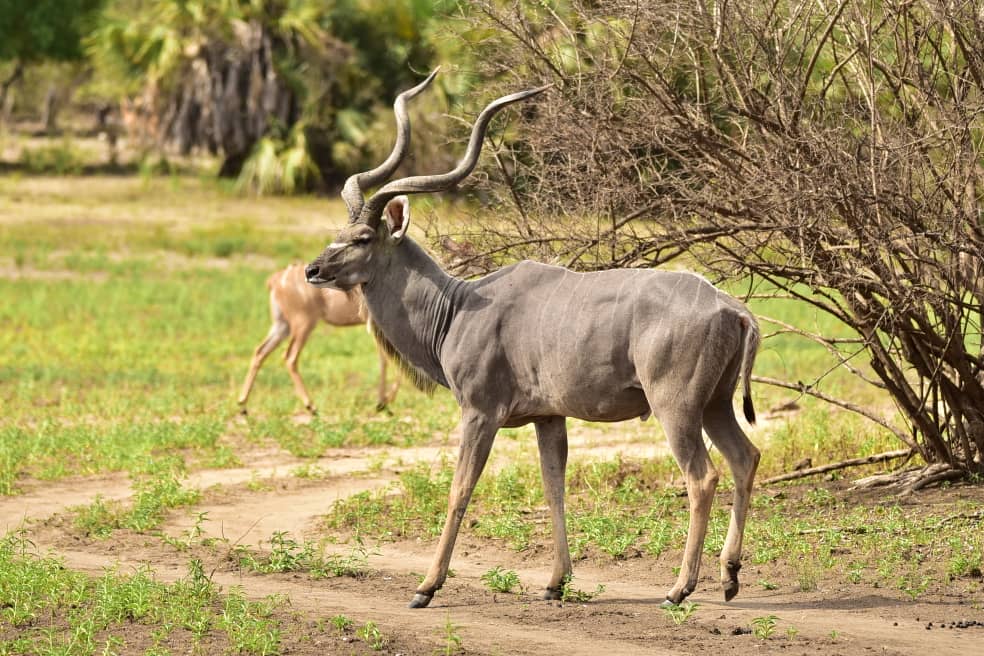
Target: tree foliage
[
  {"x": 33, "y": 31},
  {"x": 829, "y": 150},
  {"x": 36, "y": 30}
]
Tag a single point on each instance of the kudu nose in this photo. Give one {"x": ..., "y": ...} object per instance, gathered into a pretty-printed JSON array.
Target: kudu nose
[{"x": 312, "y": 271}]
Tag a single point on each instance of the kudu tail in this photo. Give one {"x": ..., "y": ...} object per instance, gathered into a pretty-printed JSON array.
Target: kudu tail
[{"x": 750, "y": 350}]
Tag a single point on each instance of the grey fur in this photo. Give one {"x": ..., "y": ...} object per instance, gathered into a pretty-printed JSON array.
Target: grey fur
[{"x": 533, "y": 343}]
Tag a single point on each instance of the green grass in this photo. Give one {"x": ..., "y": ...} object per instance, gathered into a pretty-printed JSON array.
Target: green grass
[
  {"x": 154, "y": 495},
  {"x": 52, "y": 610},
  {"x": 285, "y": 554},
  {"x": 47, "y": 609}
]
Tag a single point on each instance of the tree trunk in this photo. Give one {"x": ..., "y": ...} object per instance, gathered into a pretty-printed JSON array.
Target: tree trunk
[
  {"x": 16, "y": 75},
  {"x": 233, "y": 164},
  {"x": 49, "y": 111}
]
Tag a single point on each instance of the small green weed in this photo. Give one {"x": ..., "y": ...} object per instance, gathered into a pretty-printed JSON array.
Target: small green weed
[
  {"x": 569, "y": 593},
  {"x": 498, "y": 579},
  {"x": 372, "y": 636},
  {"x": 355, "y": 564},
  {"x": 250, "y": 625},
  {"x": 288, "y": 555},
  {"x": 680, "y": 613},
  {"x": 764, "y": 627},
  {"x": 192, "y": 536},
  {"x": 452, "y": 639},
  {"x": 341, "y": 623}
]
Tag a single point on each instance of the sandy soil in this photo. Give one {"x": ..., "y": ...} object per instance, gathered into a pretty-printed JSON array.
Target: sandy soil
[{"x": 247, "y": 504}]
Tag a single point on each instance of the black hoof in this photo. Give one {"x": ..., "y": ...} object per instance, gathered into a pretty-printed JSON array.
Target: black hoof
[
  {"x": 730, "y": 584},
  {"x": 552, "y": 594},
  {"x": 680, "y": 596},
  {"x": 243, "y": 411},
  {"x": 420, "y": 600}
]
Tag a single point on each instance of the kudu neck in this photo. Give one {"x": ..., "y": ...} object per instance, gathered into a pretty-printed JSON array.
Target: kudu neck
[{"x": 412, "y": 301}]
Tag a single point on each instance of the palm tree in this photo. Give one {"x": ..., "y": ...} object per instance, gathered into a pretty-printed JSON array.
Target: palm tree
[{"x": 216, "y": 74}]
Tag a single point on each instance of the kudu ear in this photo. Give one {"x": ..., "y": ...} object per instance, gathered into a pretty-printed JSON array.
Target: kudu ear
[{"x": 397, "y": 214}]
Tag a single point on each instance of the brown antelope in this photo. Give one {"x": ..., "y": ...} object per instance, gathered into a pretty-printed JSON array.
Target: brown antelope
[
  {"x": 295, "y": 309},
  {"x": 533, "y": 343}
]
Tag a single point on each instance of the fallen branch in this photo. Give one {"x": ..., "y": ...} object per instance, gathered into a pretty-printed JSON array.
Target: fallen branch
[
  {"x": 938, "y": 477},
  {"x": 853, "y": 462},
  {"x": 855, "y": 530},
  {"x": 911, "y": 480}
]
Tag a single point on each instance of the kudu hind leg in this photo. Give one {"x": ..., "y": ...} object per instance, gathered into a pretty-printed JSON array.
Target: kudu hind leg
[
  {"x": 742, "y": 458},
  {"x": 278, "y": 333},
  {"x": 688, "y": 449},
  {"x": 551, "y": 437},
  {"x": 299, "y": 337},
  {"x": 477, "y": 435}
]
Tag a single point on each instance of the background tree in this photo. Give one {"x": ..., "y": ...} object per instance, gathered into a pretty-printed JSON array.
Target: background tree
[
  {"x": 32, "y": 31},
  {"x": 828, "y": 151},
  {"x": 219, "y": 75},
  {"x": 292, "y": 84}
]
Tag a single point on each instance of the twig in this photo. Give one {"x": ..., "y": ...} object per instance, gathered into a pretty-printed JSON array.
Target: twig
[
  {"x": 856, "y": 530},
  {"x": 809, "y": 390},
  {"x": 979, "y": 514},
  {"x": 853, "y": 462}
]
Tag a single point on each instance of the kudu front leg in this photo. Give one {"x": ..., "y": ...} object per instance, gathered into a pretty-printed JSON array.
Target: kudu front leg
[
  {"x": 278, "y": 332},
  {"x": 477, "y": 435},
  {"x": 551, "y": 439}
]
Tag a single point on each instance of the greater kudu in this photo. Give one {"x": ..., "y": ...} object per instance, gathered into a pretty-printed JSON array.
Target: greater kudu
[{"x": 538, "y": 343}]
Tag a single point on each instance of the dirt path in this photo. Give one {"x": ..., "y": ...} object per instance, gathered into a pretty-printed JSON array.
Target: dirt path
[{"x": 247, "y": 504}]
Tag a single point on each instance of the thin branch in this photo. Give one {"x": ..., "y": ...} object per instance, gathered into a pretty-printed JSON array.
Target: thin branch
[
  {"x": 810, "y": 391},
  {"x": 853, "y": 462}
]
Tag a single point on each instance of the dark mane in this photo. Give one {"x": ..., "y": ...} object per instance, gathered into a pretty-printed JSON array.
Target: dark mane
[{"x": 417, "y": 377}]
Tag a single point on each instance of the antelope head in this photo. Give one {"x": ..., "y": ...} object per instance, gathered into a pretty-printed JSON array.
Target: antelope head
[{"x": 379, "y": 223}]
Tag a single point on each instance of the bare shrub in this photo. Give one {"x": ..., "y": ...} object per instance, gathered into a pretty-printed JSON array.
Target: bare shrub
[{"x": 829, "y": 149}]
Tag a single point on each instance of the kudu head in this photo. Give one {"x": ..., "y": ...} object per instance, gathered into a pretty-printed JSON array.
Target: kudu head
[{"x": 380, "y": 222}]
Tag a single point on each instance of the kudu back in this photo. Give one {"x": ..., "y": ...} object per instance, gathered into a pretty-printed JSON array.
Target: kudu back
[{"x": 533, "y": 343}]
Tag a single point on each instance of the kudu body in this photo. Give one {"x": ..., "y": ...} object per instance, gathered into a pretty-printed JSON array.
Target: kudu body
[
  {"x": 296, "y": 308},
  {"x": 533, "y": 343}
]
